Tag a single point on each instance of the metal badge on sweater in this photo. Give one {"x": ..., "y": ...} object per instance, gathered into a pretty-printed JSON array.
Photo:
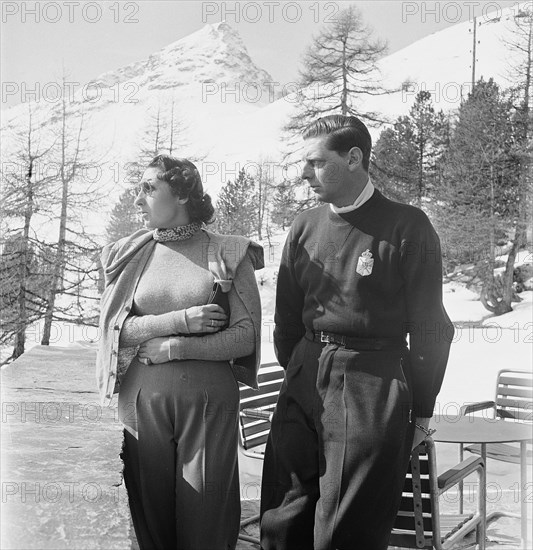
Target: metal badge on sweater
[{"x": 365, "y": 263}]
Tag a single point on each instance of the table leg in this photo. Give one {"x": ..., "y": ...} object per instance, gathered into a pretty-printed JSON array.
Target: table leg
[
  {"x": 522, "y": 492},
  {"x": 483, "y": 499}
]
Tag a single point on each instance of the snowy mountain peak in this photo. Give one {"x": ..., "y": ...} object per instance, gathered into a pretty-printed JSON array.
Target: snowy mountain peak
[{"x": 214, "y": 54}]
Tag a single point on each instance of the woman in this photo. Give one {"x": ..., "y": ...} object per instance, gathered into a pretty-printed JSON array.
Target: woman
[{"x": 176, "y": 367}]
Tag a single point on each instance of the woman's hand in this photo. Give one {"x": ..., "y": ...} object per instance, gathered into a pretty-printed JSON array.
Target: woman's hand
[
  {"x": 156, "y": 350},
  {"x": 209, "y": 318}
]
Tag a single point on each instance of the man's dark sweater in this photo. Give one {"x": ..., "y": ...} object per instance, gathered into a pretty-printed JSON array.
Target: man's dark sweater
[{"x": 373, "y": 272}]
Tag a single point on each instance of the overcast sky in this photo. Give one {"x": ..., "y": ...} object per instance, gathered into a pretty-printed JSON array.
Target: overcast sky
[{"x": 89, "y": 38}]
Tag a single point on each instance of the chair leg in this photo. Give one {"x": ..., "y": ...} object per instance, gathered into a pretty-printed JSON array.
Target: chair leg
[
  {"x": 248, "y": 538},
  {"x": 482, "y": 528},
  {"x": 249, "y": 520},
  {"x": 461, "y": 492},
  {"x": 521, "y": 492}
]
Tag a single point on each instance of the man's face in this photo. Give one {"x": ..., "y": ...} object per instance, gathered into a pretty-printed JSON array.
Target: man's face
[{"x": 327, "y": 172}]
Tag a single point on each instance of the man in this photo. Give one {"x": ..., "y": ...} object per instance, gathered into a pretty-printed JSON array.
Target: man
[{"x": 357, "y": 274}]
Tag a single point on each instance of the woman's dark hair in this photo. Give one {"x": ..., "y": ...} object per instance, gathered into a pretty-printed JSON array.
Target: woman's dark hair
[
  {"x": 185, "y": 182},
  {"x": 344, "y": 132}
]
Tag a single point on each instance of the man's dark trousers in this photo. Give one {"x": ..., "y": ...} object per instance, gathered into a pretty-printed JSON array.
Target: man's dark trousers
[{"x": 338, "y": 450}]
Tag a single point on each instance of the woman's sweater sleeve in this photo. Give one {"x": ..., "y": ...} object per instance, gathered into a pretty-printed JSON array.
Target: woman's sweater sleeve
[
  {"x": 140, "y": 328},
  {"x": 238, "y": 340}
]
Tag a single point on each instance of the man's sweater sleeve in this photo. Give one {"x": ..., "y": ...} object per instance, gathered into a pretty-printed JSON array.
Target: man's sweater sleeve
[
  {"x": 429, "y": 327},
  {"x": 238, "y": 340},
  {"x": 289, "y": 327}
]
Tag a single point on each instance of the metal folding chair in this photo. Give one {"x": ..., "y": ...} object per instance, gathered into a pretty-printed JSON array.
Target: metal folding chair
[
  {"x": 513, "y": 402},
  {"x": 256, "y": 410},
  {"x": 419, "y": 522}
]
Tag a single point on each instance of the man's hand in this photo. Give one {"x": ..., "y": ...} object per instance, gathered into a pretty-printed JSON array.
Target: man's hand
[
  {"x": 420, "y": 435},
  {"x": 155, "y": 350}
]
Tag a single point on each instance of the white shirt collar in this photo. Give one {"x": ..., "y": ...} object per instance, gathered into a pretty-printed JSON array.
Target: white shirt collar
[{"x": 366, "y": 193}]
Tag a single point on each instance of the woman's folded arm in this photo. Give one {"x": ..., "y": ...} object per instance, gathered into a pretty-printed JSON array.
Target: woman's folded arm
[
  {"x": 140, "y": 328},
  {"x": 238, "y": 340}
]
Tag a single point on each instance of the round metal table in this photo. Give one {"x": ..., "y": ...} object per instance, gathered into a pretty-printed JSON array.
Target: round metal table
[{"x": 470, "y": 429}]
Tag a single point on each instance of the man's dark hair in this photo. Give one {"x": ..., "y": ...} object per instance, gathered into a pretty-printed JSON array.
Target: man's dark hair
[{"x": 344, "y": 132}]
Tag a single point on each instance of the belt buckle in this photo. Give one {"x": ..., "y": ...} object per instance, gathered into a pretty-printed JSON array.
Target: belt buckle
[{"x": 324, "y": 338}]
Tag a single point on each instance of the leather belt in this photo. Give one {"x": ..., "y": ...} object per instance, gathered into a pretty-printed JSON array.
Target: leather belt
[{"x": 355, "y": 343}]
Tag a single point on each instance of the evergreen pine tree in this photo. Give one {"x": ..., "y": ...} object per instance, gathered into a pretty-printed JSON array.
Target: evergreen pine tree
[
  {"x": 124, "y": 219},
  {"x": 520, "y": 97},
  {"x": 236, "y": 210},
  {"x": 480, "y": 183},
  {"x": 406, "y": 157},
  {"x": 430, "y": 136},
  {"x": 285, "y": 205},
  {"x": 393, "y": 166}
]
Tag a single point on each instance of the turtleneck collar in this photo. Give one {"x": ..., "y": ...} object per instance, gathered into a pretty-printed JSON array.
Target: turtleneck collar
[
  {"x": 365, "y": 194},
  {"x": 180, "y": 233}
]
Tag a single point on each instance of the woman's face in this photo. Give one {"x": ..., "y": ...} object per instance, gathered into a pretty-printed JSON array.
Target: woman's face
[{"x": 158, "y": 207}]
